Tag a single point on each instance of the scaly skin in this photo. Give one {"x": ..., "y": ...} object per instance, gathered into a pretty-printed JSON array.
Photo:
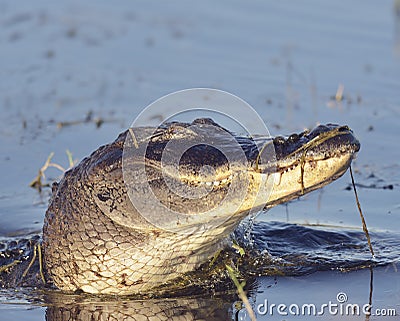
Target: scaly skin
[{"x": 95, "y": 240}]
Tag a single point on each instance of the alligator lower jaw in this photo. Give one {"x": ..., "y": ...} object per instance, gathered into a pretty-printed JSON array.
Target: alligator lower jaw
[{"x": 294, "y": 182}]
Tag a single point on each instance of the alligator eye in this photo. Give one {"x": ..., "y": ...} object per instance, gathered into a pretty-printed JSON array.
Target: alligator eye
[
  {"x": 279, "y": 140},
  {"x": 293, "y": 138},
  {"x": 344, "y": 128}
]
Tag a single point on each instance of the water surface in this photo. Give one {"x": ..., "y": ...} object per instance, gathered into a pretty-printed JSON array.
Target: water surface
[{"x": 60, "y": 62}]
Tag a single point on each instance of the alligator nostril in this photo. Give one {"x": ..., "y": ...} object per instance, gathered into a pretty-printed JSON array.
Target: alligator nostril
[
  {"x": 279, "y": 140},
  {"x": 344, "y": 128},
  {"x": 304, "y": 133},
  {"x": 293, "y": 138}
]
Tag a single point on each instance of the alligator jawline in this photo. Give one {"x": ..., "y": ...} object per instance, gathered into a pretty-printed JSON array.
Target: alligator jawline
[{"x": 291, "y": 182}]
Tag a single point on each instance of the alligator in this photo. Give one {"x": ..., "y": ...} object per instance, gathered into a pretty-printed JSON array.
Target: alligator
[{"x": 96, "y": 239}]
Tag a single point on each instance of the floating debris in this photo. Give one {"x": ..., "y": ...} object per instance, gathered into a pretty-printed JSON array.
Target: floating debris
[
  {"x": 339, "y": 93},
  {"x": 98, "y": 121},
  {"x": 38, "y": 183}
]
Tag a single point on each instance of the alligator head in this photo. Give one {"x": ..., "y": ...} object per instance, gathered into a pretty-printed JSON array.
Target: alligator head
[
  {"x": 198, "y": 168},
  {"x": 158, "y": 202}
]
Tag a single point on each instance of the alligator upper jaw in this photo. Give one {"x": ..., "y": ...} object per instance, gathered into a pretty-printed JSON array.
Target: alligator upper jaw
[
  {"x": 309, "y": 161},
  {"x": 298, "y": 163},
  {"x": 295, "y": 181},
  {"x": 283, "y": 169}
]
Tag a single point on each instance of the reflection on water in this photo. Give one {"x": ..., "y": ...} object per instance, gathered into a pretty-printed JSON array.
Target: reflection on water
[
  {"x": 71, "y": 308},
  {"x": 370, "y": 294},
  {"x": 281, "y": 255},
  {"x": 375, "y": 287}
]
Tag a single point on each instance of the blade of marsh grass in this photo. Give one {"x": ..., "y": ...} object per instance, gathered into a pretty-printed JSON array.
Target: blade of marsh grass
[
  {"x": 241, "y": 293},
  {"x": 364, "y": 224}
]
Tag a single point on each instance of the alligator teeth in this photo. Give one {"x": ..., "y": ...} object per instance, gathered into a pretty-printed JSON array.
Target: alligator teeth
[
  {"x": 288, "y": 169},
  {"x": 313, "y": 164},
  {"x": 217, "y": 183},
  {"x": 278, "y": 178}
]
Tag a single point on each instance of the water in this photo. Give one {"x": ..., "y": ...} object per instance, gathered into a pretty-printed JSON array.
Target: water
[{"x": 61, "y": 61}]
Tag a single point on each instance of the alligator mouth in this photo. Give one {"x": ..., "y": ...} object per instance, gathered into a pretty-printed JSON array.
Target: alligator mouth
[
  {"x": 268, "y": 172},
  {"x": 310, "y": 160},
  {"x": 216, "y": 183},
  {"x": 301, "y": 162},
  {"x": 298, "y": 163}
]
